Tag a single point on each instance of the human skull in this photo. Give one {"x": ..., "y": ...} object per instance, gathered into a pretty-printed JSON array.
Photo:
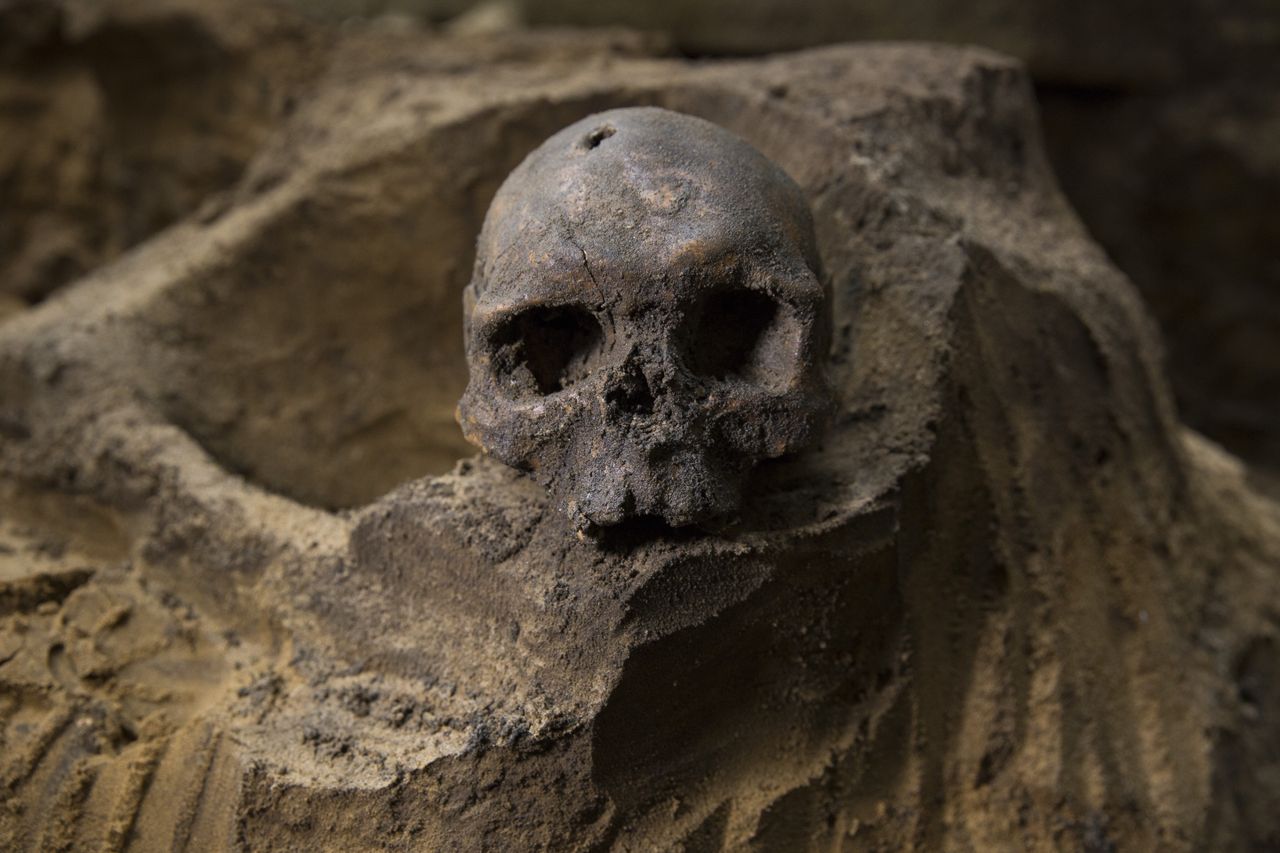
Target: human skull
[{"x": 646, "y": 320}]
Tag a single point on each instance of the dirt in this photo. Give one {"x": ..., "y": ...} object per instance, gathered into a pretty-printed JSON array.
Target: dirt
[
  {"x": 121, "y": 118},
  {"x": 1162, "y": 124},
  {"x": 255, "y": 594}
]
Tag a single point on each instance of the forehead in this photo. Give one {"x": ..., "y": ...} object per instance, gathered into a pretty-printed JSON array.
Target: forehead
[
  {"x": 657, "y": 194},
  {"x": 639, "y": 258},
  {"x": 677, "y": 225},
  {"x": 662, "y": 223}
]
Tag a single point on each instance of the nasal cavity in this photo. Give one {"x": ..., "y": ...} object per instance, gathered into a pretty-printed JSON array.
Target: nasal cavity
[{"x": 630, "y": 394}]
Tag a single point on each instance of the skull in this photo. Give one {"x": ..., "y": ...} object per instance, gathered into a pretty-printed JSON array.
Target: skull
[{"x": 646, "y": 320}]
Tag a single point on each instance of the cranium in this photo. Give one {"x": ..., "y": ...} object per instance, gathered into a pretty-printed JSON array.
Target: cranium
[{"x": 646, "y": 320}]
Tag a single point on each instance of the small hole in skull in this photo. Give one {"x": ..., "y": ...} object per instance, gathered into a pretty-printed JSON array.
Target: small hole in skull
[
  {"x": 595, "y": 137},
  {"x": 731, "y": 337},
  {"x": 545, "y": 350}
]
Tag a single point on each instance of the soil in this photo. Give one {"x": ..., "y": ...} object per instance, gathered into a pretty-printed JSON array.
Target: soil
[{"x": 256, "y": 593}]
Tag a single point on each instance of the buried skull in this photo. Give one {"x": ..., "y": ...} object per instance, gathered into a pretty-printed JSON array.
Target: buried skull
[{"x": 646, "y": 321}]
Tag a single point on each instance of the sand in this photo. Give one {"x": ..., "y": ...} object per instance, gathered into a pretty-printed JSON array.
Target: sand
[{"x": 256, "y": 592}]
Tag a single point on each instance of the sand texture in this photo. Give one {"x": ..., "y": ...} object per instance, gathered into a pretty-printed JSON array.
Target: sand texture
[{"x": 256, "y": 592}]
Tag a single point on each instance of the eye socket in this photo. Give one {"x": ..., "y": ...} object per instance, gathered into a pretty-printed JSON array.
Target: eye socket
[
  {"x": 742, "y": 335},
  {"x": 546, "y": 349}
]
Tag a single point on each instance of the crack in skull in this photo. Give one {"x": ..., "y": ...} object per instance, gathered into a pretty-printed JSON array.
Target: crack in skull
[{"x": 646, "y": 321}]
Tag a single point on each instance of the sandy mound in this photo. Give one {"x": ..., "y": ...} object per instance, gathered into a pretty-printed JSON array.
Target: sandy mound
[{"x": 250, "y": 599}]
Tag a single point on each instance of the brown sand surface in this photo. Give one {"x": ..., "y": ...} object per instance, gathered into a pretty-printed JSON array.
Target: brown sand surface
[{"x": 256, "y": 593}]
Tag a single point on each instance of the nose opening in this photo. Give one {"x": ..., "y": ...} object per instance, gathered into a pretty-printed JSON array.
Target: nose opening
[{"x": 631, "y": 394}]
